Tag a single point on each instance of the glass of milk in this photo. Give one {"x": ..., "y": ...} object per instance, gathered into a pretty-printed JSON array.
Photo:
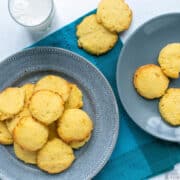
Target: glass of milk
[{"x": 35, "y": 15}]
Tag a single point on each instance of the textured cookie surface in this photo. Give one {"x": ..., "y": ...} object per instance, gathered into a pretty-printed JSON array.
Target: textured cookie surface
[
  {"x": 5, "y": 136},
  {"x": 55, "y": 156},
  {"x": 93, "y": 37},
  {"x": 55, "y": 84},
  {"x": 12, "y": 101},
  {"x": 24, "y": 155},
  {"x": 46, "y": 106},
  {"x": 75, "y": 98},
  {"x": 78, "y": 144},
  {"x": 169, "y": 106},
  {"x": 115, "y": 15},
  {"x": 30, "y": 134},
  {"x": 150, "y": 82},
  {"x": 74, "y": 125},
  {"x": 28, "y": 89},
  {"x": 11, "y": 123},
  {"x": 169, "y": 60}
]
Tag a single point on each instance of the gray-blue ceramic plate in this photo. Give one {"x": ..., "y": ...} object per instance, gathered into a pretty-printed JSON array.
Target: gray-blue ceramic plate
[
  {"x": 142, "y": 48},
  {"x": 99, "y": 102}
]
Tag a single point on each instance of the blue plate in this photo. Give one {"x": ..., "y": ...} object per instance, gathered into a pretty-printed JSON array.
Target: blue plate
[
  {"x": 99, "y": 102},
  {"x": 142, "y": 48}
]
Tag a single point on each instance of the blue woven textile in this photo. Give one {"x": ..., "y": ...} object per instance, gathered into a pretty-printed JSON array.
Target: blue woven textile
[{"x": 137, "y": 155}]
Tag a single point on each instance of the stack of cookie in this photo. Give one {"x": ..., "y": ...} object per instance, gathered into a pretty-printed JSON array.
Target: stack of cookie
[
  {"x": 44, "y": 121},
  {"x": 98, "y": 33},
  {"x": 152, "y": 81}
]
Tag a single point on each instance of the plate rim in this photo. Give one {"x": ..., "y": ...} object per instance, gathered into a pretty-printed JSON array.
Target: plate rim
[
  {"x": 165, "y": 138},
  {"x": 103, "y": 161}
]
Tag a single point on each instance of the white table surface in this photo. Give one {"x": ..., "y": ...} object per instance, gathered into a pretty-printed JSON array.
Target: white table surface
[{"x": 13, "y": 37}]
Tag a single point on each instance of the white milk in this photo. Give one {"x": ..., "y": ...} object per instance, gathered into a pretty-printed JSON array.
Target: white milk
[{"x": 35, "y": 14}]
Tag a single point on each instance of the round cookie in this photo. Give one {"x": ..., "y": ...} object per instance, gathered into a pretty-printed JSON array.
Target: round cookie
[
  {"x": 24, "y": 155},
  {"x": 78, "y": 144},
  {"x": 11, "y": 123},
  {"x": 115, "y": 15},
  {"x": 28, "y": 89},
  {"x": 30, "y": 134},
  {"x": 75, "y": 98},
  {"x": 150, "y": 82},
  {"x": 5, "y": 136},
  {"x": 93, "y": 37},
  {"x": 55, "y": 156},
  {"x": 46, "y": 106},
  {"x": 169, "y": 60},
  {"x": 12, "y": 101},
  {"x": 55, "y": 84},
  {"x": 74, "y": 125},
  {"x": 169, "y": 106}
]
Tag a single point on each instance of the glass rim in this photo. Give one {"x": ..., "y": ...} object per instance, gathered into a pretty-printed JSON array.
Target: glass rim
[{"x": 29, "y": 26}]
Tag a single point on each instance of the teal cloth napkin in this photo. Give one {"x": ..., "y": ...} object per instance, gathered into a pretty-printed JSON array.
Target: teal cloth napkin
[{"x": 137, "y": 155}]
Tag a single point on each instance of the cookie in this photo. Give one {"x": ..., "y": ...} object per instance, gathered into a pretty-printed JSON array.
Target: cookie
[
  {"x": 5, "y": 136},
  {"x": 28, "y": 157},
  {"x": 11, "y": 123},
  {"x": 12, "y": 101},
  {"x": 28, "y": 89},
  {"x": 55, "y": 84},
  {"x": 78, "y": 144},
  {"x": 115, "y": 15},
  {"x": 30, "y": 134},
  {"x": 169, "y": 106},
  {"x": 53, "y": 131},
  {"x": 55, "y": 156},
  {"x": 46, "y": 106},
  {"x": 93, "y": 37},
  {"x": 74, "y": 125},
  {"x": 75, "y": 98},
  {"x": 169, "y": 60},
  {"x": 150, "y": 82}
]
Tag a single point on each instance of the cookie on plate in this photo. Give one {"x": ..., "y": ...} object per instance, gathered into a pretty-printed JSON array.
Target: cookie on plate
[
  {"x": 55, "y": 84},
  {"x": 169, "y": 106},
  {"x": 115, "y": 15},
  {"x": 169, "y": 60},
  {"x": 74, "y": 125},
  {"x": 28, "y": 89},
  {"x": 75, "y": 98},
  {"x": 55, "y": 156},
  {"x": 30, "y": 134},
  {"x": 5, "y": 136},
  {"x": 93, "y": 37},
  {"x": 12, "y": 101},
  {"x": 150, "y": 82},
  {"x": 11, "y": 123},
  {"x": 28, "y": 157},
  {"x": 46, "y": 106}
]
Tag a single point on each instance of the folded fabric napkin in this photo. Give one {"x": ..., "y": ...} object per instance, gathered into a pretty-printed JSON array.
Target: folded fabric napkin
[{"x": 137, "y": 155}]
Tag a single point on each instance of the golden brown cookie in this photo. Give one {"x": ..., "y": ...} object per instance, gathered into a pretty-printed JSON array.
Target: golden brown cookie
[
  {"x": 30, "y": 134},
  {"x": 46, "y": 106},
  {"x": 74, "y": 125},
  {"x": 55, "y": 84},
  {"x": 150, "y": 82},
  {"x": 169, "y": 106},
  {"x": 12, "y": 101},
  {"x": 11, "y": 123},
  {"x": 55, "y": 156},
  {"x": 75, "y": 98},
  {"x": 28, "y": 89},
  {"x": 5, "y": 136},
  {"x": 115, "y": 15},
  {"x": 93, "y": 37},
  {"x": 78, "y": 144},
  {"x": 169, "y": 60},
  {"x": 28, "y": 157}
]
